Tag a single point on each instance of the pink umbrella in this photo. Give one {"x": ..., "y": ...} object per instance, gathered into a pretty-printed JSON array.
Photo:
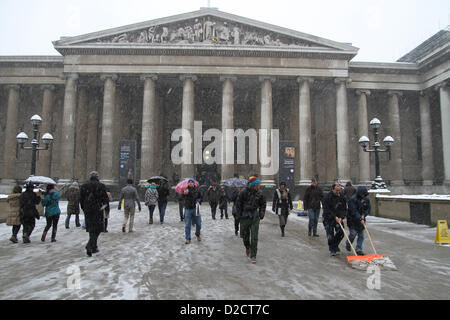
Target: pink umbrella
[{"x": 183, "y": 185}]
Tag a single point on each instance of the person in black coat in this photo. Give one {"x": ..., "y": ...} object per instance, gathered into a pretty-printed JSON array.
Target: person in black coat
[
  {"x": 281, "y": 205},
  {"x": 93, "y": 200},
  {"x": 223, "y": 202},
  {"x": 358, "y": 209},
  {"x": 213, "y": 198},
  {"x": 163, "y": 193},
  {"x": 311, "y": 203},
  {"x": 233, "y": 198},
  {"x": 28, "y": 212},
  {"x": 334, "y": 211},
  {"x": 191, "y": 197}
]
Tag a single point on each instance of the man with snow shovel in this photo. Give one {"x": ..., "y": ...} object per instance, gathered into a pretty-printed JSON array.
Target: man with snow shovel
[
  {"x": 334, "y": 211},
  {"x": 358, "y": 209}
]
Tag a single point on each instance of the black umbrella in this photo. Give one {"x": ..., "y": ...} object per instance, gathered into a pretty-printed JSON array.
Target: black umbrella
[{"x": 157, "y": 178}]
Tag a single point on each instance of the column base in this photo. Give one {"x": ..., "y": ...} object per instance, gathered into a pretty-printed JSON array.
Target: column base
[
  {"x": 446, "y": 183},
  {"x": 268, "y": 183},
  {"x": 397, "y": 183},
  {"x": 108, "y": 182},
  {"x": 427, "y": 182},
  {"x": 64, "y": 181},
  {"x": 304, "y": 183},
  {"x": 6, "y": 186}
]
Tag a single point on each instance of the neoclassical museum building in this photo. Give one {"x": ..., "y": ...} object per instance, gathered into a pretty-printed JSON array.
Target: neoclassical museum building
[{"x": 118, "y": 95}]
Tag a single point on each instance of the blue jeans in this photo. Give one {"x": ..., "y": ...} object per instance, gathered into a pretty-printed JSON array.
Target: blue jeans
[
  {"x": 359, "y": 242},
  {"x": 150, "y": 211},
  {"x": 334, "y": 235},
  {"x": 313, "y": 215},
  {"x": 189, "y": 215},
  {"x": 162, "y": 210}
]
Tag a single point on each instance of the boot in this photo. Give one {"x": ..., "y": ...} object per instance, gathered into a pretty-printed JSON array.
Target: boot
[
  {"x": 53, "y": 239},
  {"x": 13, "y": 239},
  {"x": 150, "y": 221},
  {"x": 123, "y": 229},
  {"x": 44, "y": 234},
  {"x": 26, "y": 239}
]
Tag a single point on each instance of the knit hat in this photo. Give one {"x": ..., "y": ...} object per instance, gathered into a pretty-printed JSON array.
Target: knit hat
[
  {"x": 191, "y": 179},
  {"x": 253, "y": 181}
]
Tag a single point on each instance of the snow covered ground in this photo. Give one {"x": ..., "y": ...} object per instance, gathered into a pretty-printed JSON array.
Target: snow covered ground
[{"x": 154, "y": 263}]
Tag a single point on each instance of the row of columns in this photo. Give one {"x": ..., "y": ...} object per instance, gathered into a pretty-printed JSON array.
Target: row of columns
[{"x": 74, "y": 162}]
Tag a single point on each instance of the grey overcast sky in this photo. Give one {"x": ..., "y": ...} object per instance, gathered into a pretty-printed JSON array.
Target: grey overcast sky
[{"x": 383, "y": 30}]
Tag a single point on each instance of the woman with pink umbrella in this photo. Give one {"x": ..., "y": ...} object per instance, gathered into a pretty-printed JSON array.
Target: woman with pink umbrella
[{"x": 192, "y": 198}]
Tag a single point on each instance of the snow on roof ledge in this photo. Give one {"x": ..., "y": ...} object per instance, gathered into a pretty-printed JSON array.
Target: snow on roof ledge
[{"x": 445, "y": 197}]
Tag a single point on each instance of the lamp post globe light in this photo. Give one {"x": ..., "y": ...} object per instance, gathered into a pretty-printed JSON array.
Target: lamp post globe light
[
  {"x": 22, "y": 138},
  {"x": 388, "y": 141}
]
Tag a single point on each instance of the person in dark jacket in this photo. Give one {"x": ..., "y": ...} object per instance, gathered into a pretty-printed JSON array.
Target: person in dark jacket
[
  {"x": 181, "y": 206},
  {"x": 52, "y": 211},
  {"x": 334, "y": 211},
  {"x": 358, "y": 209},
  {"x": 192, "y": 197},
  {"x": 93, "y": 200},
  {"x": 311, "y": 203},
  {"x": 349, "y": 190},
  {"x": 223, "y": 202},
  {"x": 281, "y": 205},
  {"x": 13, "y": 218},
  {"x": 28, "y": 212},
  {"x": 213, "y": 199},
  {"x": 251, "y": 208},
  {"x": 73, "y": 204},
  {"x": 163, "y": 194},
  {"x": 234, "y": 197}
]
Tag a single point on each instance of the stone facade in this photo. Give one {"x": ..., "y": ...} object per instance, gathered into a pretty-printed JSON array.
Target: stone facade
[{"x": 143, "y": 81}]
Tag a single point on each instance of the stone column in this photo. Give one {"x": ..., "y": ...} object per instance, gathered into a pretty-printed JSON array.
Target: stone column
[
  {"x": 266, "y": 125},
  {"x": 305, "y": 142},
  {"x": 107, "y": 149},
  {"x": 342, "y": 130},
  {"x": 363, "y": 130},
  {"x": 80, "y": 141},
  {"x": 68, "y": 130},
  {"x": 149, "y": 145},
  {"x": 91, "y": 140},
  {"x": 396, "y": 149},
  {"x": 44, "y": 161},
  {"x": 444, "y": 94},
  {"x": 227, "y": 123},
  {"x": 9, "y": 153},
  {"x": 187, "y": 169},
  {"x": 426, "y": 140}
]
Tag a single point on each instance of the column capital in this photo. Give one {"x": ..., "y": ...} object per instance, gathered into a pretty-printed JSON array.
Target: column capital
[
  {"x": 360, "y": 92},
  {"x": 193, "y": 77},
  {"x": 227, "y": 77},
  {"x": 440, "y": 85},
  {"x": 144, "y": 77},
  {"x": 111, "y": 76},
  {"x": 69, "y": 76},
  {"x": 345, "y": 81},
  {"x": 264, "y": 78},
  {"x": 395, "y": 93},
  {"x": 12, "y": 86},
  {"x": 309, "y": 79},
  {"x": 48, "y": 87}
]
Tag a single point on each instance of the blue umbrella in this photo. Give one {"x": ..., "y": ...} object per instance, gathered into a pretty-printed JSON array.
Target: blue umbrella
[{"x": 235, "y": 183}]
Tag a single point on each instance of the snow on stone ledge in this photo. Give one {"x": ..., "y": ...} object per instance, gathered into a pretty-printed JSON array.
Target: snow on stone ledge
[
  {"x": 3, "y": 196},
  {"x": 417, "y": 197}
]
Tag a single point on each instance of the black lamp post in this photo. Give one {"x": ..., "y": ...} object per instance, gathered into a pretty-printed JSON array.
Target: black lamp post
[
  {"x": 22, "y": 137},
  {"x": 364, "y": 142}
]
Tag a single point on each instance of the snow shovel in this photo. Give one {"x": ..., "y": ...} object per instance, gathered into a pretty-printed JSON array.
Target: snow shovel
[{"x": 379, "y": 259}]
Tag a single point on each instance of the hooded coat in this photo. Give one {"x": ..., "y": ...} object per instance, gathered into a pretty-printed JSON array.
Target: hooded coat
[
  {"x": 50, "y": 202},
  {"x": 358, "y": 209},
  {"x": 13, "y": 213},
  {"x": 334, "y": 206},
  {"x": 92, "y": 197},
  {"x": 251, "y": 204},
  {"x": 28, "y": 201},
  {"x": 73, "y": 198}
]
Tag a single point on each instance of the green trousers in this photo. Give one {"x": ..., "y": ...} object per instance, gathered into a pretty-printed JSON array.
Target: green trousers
[{"x": 249, "y": 232}]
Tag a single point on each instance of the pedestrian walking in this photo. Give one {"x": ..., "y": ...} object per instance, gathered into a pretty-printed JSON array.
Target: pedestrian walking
[
  {"x": 163, "y": 194},
  {"x": 73, "y": 204},
  {"x": 52, "y": 211},
  {"x": 130, "y": 195},
  {"x": 349, "y": 190},
  {"x": 223, "y": 203},
  {"x": 192, "y": 197},
  {"x": 234, "y": 197},
  {"x": 13, "y": 218},
  {"x": 358, "y": 209},
  {"x": 107, "y": 209},
  {"x": 334, "y": 211},
  {"x": 251, "y": 208},
  {"x": 281, "y": 205},
  {"x": 28, "y": 212},
  {"x": 93, "y": 200},
  {"x": 151, "y": 200},
  {"x": 181, "y": 206},
  {"x": 213, "y": 199},
  {"x": 311, "y": 203}
]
